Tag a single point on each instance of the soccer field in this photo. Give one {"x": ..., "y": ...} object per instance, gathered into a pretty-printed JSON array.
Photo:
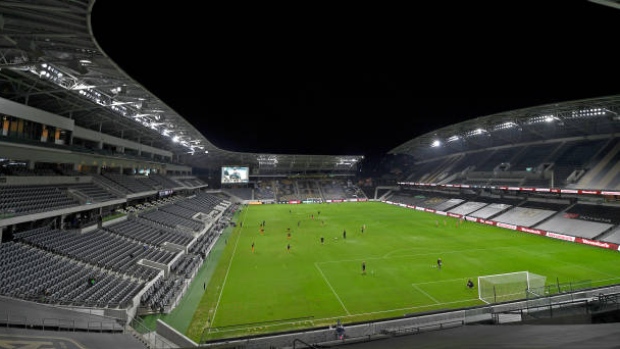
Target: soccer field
[{"x": 261, "y": 285}]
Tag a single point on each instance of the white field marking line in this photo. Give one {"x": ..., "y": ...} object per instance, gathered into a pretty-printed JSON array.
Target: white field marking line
[
  {"x": 426, "y": 294},
  {"x": 334, "y": 318},
  {"x": 217, "y": 304},
  {"x": 438, "y": 282},
  {"x": 442, "y": 252},
  {"x": 398, "y": 309},
  {"x": 605, "y": 280},
  {"x": 412, "y": 255},
  {"x": 245, "y": 328},
  {"x": 579, "y": 266},
  {"x": 333, "y": 291}
]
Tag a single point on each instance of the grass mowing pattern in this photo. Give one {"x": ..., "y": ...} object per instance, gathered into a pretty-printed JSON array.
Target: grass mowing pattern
[{"x": 312, "y": 284}]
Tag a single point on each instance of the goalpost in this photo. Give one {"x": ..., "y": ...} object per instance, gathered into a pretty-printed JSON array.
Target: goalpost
[{"x": 509, "y": 286}]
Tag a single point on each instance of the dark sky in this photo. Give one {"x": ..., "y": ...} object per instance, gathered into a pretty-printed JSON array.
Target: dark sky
[{"x": 321, "y": 79}]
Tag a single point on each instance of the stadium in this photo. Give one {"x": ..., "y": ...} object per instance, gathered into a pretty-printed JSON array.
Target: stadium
[{"x": 123, "y": 226}]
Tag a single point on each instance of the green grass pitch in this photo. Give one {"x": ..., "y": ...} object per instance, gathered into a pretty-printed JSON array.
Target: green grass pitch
[{"x": 273, "y": 288}]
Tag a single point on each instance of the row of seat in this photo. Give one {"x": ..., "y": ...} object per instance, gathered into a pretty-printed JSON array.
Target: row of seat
[
  {"x": 99, "y": 268},
  {"x": 36, "y": 274}
]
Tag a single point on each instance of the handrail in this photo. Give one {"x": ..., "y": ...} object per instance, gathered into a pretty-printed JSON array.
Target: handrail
[{"x": 297, "y": 340}]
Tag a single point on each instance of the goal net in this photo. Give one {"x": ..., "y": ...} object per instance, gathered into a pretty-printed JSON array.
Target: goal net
[{"x": 508, "y": 287}]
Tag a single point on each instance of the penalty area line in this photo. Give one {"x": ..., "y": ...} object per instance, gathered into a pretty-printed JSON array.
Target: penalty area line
[
  {"x": 426, "y": 294},
  {"x": 333, "y": 291}
]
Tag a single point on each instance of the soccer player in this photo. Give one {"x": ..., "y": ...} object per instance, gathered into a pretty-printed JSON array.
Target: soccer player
[
  {"x": 470, "y": 284},
  {"x": 364, "y": 267},
  {"x": 322, "y": 240},
  {"x": 252, "y": 246},
  {"x": 288, "y": 247},
  {"x": 344, "y": 234},
  {"x": 439, "y": 263}
]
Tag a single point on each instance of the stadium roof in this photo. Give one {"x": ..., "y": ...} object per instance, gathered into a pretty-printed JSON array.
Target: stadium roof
[
  {"x": 50, "y": 60},
  {"x": 572, "y": 119},
  {"x": 611, "y": 3}
]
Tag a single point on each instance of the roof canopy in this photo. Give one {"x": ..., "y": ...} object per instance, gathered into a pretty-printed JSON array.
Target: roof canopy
[{"x": 50, "y": 60}]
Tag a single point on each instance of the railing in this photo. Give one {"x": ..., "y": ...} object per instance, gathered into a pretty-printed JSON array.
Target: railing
[
  {"x": 412, "y": 324},
  {"x": 589, "y": 301},
  {"x": 306, "y": 345},
  {"x": 149, "y": 337},
  {"x": 59, "y": 324},
  {"x": 543, "y": 309}
]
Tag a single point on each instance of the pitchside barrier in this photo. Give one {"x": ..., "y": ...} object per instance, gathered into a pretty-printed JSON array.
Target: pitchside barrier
[{"x": 406, "y": 324}]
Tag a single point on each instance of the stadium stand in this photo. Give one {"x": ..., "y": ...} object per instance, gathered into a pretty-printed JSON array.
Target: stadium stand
[{"x": 104, "y": 222}]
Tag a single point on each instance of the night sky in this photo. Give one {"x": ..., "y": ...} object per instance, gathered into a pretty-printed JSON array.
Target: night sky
[{"x": 319, "y": 79}]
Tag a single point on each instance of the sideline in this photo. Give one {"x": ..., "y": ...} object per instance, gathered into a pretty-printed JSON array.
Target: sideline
[{"x": 181, "y": 316}]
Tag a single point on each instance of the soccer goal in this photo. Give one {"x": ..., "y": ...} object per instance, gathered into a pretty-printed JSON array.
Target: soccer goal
[{"x": 508, "y": 287}]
